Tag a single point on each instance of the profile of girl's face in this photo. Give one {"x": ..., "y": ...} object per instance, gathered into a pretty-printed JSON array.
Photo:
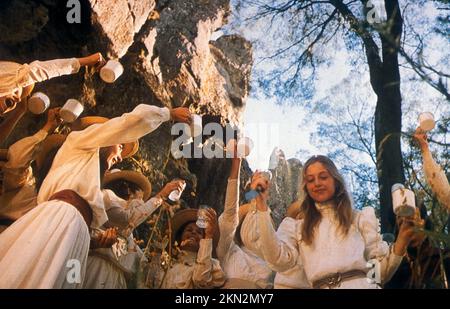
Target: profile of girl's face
[{"x": 320, "y": 185}]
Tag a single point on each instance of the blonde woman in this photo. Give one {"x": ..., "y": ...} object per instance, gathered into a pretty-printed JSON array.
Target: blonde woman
[
  {"x": 236, "y": 251},
  {"x": 333, "y": 241}
]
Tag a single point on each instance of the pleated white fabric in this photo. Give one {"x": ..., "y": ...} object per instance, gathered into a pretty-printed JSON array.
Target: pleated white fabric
[
  {"x": 46, "y": 248},
  {"x": 102, "y": 274}
]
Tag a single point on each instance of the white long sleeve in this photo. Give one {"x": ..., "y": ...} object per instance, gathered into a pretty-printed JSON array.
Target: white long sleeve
[
  {"x": 239, "y": 262},
  {"x": 375, "y": 247},
  {"x": 294, "y": 278},
  {"x": 45, "y": 70},
  {"x": 280, "y": 255},
  {"x": 228, "y": 220},
  {"x": 207, "y": 271},
  {"x": 77, "y": 164},
  {"x": 124, "y": 129},
  {"x": 14, "y": 76}
]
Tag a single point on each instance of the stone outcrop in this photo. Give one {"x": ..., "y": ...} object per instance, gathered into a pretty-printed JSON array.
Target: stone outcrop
[
  {"x": 169, "y": 60},
  {"x": 286, "y": 177}
]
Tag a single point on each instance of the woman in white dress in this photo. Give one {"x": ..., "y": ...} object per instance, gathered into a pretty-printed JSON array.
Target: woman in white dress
[
  {"x": 334, "y": 241},
  {"x": 48, "y": 247},
  {"x": 242, "y": 265}
]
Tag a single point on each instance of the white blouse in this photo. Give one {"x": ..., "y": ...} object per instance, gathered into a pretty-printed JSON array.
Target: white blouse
[
  {"x": 330, "y": 252},
  {"x": 239, "y": 262},
  {"x": 195, "y": 270},
  {"x": 437, "y": 179},
  {"x": 19, "y": 194},
  {"x": 76, "y": 165}
]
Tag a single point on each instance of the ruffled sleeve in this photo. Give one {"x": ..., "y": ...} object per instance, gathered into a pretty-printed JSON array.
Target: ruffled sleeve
[{"x": 375, "y": 247}]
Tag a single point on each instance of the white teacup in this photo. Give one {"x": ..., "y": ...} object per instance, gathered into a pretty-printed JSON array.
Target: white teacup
[
  {"x": 426, "y": 121},
  {"x": 71, "y": 110},
  {"x": 196, "y": 125},
  {"x": 244, "y": 147},
  {"x": 403, "y": 201},
  {"x": 111, "y": 71},
  {"x": 38, "y": 103}
]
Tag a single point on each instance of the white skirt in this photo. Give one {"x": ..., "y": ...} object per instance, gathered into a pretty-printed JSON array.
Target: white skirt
[
  {"x": 102, "y": 274},
  {"x": 46, "y": 248}
]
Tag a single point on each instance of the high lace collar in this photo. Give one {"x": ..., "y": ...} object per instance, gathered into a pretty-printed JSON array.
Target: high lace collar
[{"x": 326, "y": 207}]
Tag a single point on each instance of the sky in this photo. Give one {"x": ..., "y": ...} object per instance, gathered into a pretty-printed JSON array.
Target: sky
[{"x": 289, "y": 126}]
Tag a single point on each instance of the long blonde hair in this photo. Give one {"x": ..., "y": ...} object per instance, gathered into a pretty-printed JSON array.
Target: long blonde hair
[{"x": 343, "y": 209}]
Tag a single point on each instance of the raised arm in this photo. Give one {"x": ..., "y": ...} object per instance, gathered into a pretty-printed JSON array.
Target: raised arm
[
  {"x": 279, "y": 255},
  {"x": 44, "y": 70},
  {"x": 229, "y": 219},
  {"x": 389, "y": 257},
  {"x": 127, "y": 215},
  {"x": 124, "y": 129},
  {"x": 207, "y": 271},
  {"x": 434, "y": 174}
]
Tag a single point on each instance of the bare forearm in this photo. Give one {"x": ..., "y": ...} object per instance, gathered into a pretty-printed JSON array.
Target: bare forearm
[{"x": 235, "y": 168}]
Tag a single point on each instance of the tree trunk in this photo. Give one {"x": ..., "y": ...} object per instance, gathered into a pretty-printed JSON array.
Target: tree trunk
[
  {"x": 385, "y": 82},
  {"x": 388, "y": 118}
]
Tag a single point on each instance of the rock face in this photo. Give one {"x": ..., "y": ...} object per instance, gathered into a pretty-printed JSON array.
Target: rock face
[
  {"x": 118, "y": 21},
  {"x": 286, "y": 177},
  {"x": 169, "y": 60}
]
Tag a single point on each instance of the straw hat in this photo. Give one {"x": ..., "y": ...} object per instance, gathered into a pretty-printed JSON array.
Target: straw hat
[
  {"x": 129, "y": 149},
  {"x": 183, "y": 217},
  {"x": 50, "y": 143},
  {"x": 137, "y": 178}
]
